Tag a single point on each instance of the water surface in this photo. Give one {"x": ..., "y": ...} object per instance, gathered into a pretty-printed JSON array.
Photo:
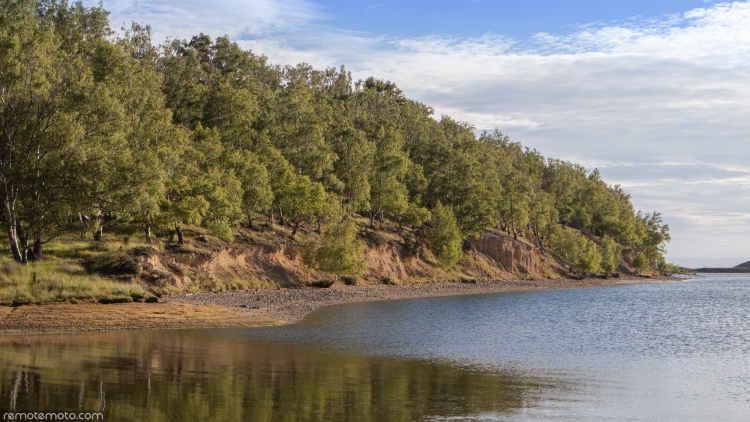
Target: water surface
[{"x": 666, "y": 351}]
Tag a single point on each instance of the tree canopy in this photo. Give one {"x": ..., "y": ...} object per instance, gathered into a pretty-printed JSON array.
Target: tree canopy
[{"x": 100, "y": 127}]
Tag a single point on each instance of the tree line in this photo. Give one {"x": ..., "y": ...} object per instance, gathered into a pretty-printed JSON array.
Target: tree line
[{"x": 99, "y": 126}]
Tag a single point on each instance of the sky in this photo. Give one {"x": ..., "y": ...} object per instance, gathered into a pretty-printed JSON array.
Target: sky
[{"x": 654, "y": 94}]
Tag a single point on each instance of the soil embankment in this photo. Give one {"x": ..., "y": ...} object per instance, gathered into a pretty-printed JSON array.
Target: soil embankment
[{"x": 249, "y": 308}]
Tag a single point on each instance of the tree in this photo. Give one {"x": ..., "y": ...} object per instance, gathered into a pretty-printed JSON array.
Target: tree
[
  {"x": 611, "y": 253},
  {"x": 577, "y": 251},
  {"x": 653, "y": 234},
  {"x": 129, "y": 178},
  {"x": 415, "y": 216},
  {"x": 354, "y": 166},
  {"x": 339, "y": 250},
  {"x": 257, "y": 195},
  {"x": 640, "y": 262},
  {"x": 669, "y": 269},
  {"x": 590, "y": 259},
  {"x": 203, "y": 188},
  {"x": 302, "y": 200},
  {"x": 99, "y": 128},
  {"x": 445, "y": 238},
  {"x": 301, "y": 120},
  {"x": 388, "y": 192},
  {"x": 56, "y": 118}
]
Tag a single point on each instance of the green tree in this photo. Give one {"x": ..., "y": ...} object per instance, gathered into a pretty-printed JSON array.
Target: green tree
[
  {"x": 355, "y": 152},
  {"x": 577, "y": 251},
  {"x": 611, "y": 253},
  {"x": 299, "y": 130},
  {"x": 302, "y": 200},
  {"x": 203, "y": 188},
  {"x": 640, "y": 261},
  {"x": 445, "y": 239},
  {"x": 388, "y": 191},
  {"x": 653, "y": 234},
  {"x": 415, "y": 215},
  {"x": 590, "y": 258},
  {"x": 57, "y": 119},
  {"x": 339, "y": 250}
]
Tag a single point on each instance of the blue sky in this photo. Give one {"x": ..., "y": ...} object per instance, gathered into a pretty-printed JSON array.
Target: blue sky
[
  {"x": 517, "y": 19},
  {"x": 654, "y": 94}
]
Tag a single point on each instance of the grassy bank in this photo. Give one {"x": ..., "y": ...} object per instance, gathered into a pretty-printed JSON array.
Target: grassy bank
[{"x": 63, "y": 274}]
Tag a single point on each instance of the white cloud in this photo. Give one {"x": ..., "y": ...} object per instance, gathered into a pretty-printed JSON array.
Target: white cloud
[
  {"x": 661, "y": 104},
  {"x": 236, "y": 18}
]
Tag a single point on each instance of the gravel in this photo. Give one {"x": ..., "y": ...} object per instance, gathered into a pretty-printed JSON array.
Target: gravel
[{"x": 293, "y": 305}]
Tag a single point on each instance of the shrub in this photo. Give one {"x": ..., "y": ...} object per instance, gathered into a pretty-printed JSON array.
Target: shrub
[
  {"x": 350, "y": 280},
  {"x": 388, "y": 281},
  {"x": 113, "y": 264},
  {"x": 322, "y": 283},
  {"x": 467, "y": 279},
  {"x": 146, "y": 251}
]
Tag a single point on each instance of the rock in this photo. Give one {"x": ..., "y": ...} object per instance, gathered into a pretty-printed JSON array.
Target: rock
[{"x": 511, "y": 255}]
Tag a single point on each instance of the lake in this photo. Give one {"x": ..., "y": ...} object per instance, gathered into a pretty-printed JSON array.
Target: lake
[{"x": 663, "y": 351}]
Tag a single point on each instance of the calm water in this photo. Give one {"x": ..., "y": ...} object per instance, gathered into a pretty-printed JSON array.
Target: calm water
[{"x": 673, "y": 351}]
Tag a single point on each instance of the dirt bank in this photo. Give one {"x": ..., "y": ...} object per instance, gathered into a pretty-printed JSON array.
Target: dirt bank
[{"x": 250, "y": 307}]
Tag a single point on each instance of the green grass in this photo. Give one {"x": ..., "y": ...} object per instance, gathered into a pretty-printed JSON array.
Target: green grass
[
  {"x": 60, "y": 276},
  {"x": 56, "y": 280}
]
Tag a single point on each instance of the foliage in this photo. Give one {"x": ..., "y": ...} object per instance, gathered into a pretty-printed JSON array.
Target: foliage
[
  {"x": 339, "y": 250},
  {"x": 415, "y": 215},
  {"x": 579, "y": 252},
  {"x": 669, "y": 269},
  {"x": 445, "y": 238},
  {"x": 202, "y": 132},
  {"x": 611, "y": 253},
  {"x": 640, "y": 261}
]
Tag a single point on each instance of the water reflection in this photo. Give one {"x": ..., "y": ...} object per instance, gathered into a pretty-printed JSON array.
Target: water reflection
[
  {"x": 216, "y": 375},
  {"x": 669, "y": 351}
]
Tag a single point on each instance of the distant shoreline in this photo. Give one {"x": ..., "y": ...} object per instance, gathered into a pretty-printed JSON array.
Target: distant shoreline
[
  {"x": 723, "y": 270},
  {"x": 249, "y": 308}
]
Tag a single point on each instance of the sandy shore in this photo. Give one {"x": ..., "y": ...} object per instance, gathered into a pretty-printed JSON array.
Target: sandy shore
[{"x": 252, "y": 308}]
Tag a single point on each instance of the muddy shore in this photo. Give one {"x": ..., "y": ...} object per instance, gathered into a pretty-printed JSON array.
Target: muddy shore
[{"x": 249, "y": 308}]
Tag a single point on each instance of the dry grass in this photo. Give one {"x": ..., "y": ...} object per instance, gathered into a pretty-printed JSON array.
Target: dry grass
[{"x": 60, "y": 275}]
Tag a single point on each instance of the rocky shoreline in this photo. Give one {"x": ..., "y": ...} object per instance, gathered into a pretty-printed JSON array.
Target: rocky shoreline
[{"x": 247, "y": 308}]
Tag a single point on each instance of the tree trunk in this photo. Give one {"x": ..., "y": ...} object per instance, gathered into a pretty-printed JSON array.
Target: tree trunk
[
  {"x": 372, "y": 219},
  {"x": 296, "y": 227},
  {"x": 24, "y": 250},
  {"x": 13, "y": 239},
  {"x": 36, "y": 253},
  {"x": 270, "y": 218},
  {"x": 320, "y": 229},
  {"x": 512, "y": 223},
  {"x": 281, "y": 217},
  {"x": 149, "y": 239},
  {"x": 11, "y": 221},
  {"x": 250, "y": 222},
  {"x": 180, "y": 238},
  {"x": 99, "y": 234}
]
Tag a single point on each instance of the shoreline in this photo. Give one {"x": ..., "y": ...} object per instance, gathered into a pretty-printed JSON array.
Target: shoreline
[{"x": 251, "y": 308}]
